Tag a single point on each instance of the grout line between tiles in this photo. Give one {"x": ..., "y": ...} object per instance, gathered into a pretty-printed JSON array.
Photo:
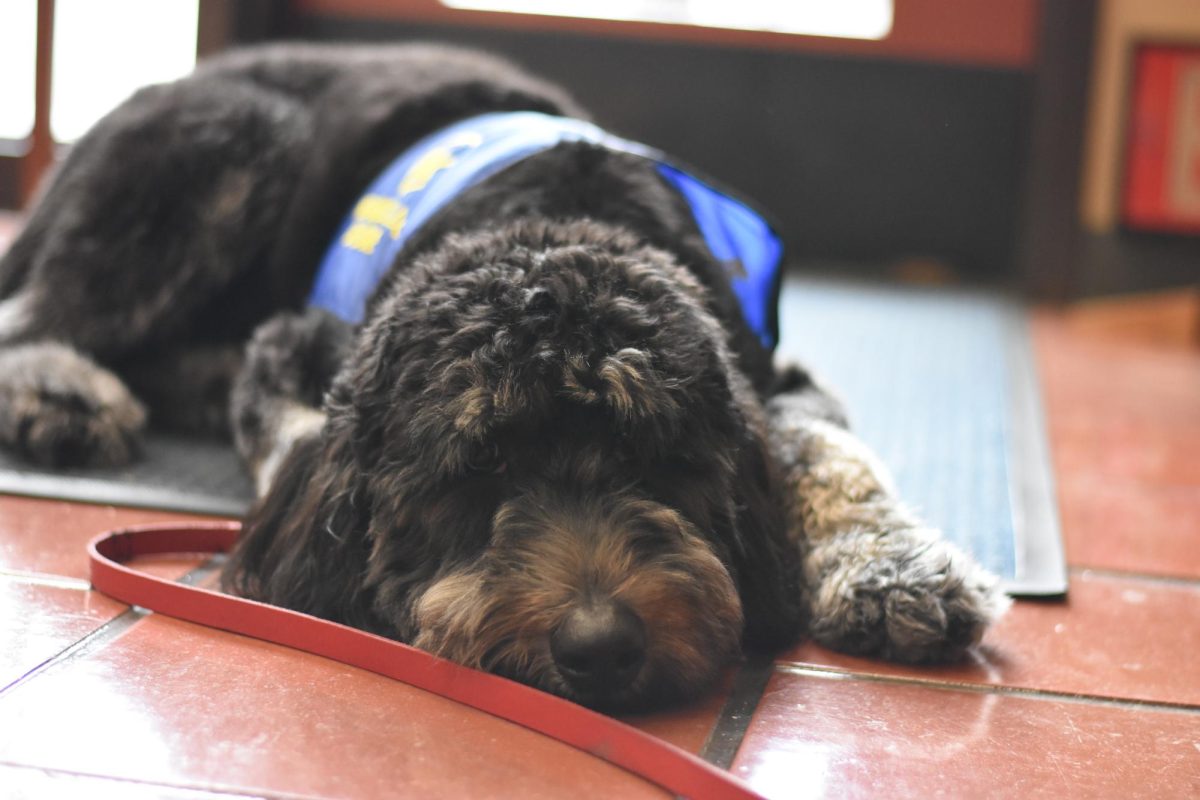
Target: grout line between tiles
[
  {"x": 205, "y": 792},
  {"x": 197, "y": 574},
  {"x": 835, "y": 673},
  {"x": 103, "y": 634},
  {"x": 45, "y": 579},
  {"x": 734, "y": 718},
  {"x": 1120, "y": 574}
]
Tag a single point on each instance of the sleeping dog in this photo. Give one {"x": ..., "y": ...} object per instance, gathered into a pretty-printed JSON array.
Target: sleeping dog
[{"x": 504, "y": 380}]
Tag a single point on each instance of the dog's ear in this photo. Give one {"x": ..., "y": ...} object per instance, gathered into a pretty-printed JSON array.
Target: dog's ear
[
  {"x": 766, "y": 563},
  {"x": 303, "y": 545}
]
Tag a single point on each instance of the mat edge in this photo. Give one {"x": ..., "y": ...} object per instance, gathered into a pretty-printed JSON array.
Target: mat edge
[{"x": 1041, "y": 568}]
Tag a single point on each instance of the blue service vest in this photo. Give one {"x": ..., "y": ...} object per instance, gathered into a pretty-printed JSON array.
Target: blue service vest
[{"x": 424, "y": 178}]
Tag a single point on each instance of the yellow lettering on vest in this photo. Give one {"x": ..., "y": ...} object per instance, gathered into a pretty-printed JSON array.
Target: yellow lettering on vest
[
  {"x": 396, "y": 223},
  {"x": 422, "y": 172},
  {"x": 363, "y": 237},
  {"x": 387, "y": 212}
]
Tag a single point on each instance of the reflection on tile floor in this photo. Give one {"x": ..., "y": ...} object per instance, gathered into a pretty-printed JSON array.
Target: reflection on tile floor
[
  {"x": 1097, "y": 696},
  {"x": 41, "y": 620},
  {"x": 1117, "y": 637},
  {"x": 49, "y": 537},
  {"x": 175, "y": 703},
  {"x": 31, "y": 783},
  {"x": 824, "y": 736}
]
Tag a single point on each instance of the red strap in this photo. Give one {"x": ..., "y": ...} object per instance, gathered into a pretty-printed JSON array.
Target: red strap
[{"x": 668, "y": 766}]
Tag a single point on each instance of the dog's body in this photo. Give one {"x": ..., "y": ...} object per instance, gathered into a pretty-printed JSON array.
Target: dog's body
[{"x": 554, "y": 449}]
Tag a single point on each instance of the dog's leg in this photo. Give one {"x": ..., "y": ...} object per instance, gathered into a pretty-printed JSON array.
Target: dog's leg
[
  {"x": 163, "y": 206},
  {"x": 878, "y": 582},
  {"x": 155, "y": 227},
  {"x": 276, "y": 402},
  {"x": 58, "y": 408},
  {"x": 187, "y": 388}
]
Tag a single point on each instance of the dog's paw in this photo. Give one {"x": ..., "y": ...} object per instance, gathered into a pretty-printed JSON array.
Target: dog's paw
[
  {"x": 905, "y": 595},
  {"x": 59, "y": 409}
]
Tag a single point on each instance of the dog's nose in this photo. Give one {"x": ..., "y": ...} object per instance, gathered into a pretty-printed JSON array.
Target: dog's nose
[{"x": 599, "y": 647}]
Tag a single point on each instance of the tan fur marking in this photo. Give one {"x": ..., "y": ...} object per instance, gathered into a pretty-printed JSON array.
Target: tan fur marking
[
  {"x": 231, "y": 195},
  {"x": 625, "y": 374},
  {"x": 836, "y": 484},
  {"x": 574, "y": 372},
  {"x": 470, "y": 408},
  {"x": 500, "y": 612}
]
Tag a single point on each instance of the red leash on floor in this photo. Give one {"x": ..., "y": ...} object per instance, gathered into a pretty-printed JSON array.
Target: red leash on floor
[{"x": 668, "y": 766}]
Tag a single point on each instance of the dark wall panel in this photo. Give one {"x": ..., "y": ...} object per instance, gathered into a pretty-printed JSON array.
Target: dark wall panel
[
  {"x": 10, "y": 182},
  {"x": 857, "y": 159}
]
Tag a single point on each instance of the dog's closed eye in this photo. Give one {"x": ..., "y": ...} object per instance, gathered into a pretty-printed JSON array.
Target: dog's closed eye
[{"x": 486, "y": 459}]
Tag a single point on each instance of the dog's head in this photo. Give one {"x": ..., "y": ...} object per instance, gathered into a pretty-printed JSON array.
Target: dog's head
[{"x": 542, "y": 462}]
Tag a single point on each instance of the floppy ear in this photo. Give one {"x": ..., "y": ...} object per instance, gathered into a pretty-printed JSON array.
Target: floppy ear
[
  {"x": 303, "y": 546},
  {"x": 766, "y": 564}
]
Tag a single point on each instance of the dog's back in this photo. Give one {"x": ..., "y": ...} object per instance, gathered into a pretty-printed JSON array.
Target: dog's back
[{"x": 193, "y": 212}]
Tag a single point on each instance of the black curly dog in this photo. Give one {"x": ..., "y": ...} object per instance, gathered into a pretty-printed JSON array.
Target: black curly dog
[{"x": 553, "y": 450}]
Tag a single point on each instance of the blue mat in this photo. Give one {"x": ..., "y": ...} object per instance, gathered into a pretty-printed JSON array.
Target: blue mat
[{"x": 941, "y": 384}]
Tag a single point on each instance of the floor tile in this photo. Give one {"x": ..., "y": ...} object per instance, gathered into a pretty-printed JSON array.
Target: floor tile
[
  {"x": 1080, "y": 374},
  {"x": 26, "y": 783},
  {"x": 816, "y": 737},
  {"x": 1166, "y": 320},
  {"x": 1122, "y": 411},
  {"x": 170, "y": 702},
  {"x": 687, "y": 727},
  {"x": 49, "y": 537},
  {"x": 37, "y": 622},
  {"x": 1113, "y": 637},
  {"x": 1131, "y": 526},
  {"x": 1095, "y": 444}
]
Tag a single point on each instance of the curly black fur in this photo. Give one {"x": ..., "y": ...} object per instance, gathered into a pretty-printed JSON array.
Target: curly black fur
[{"x": 552, "y": 365}]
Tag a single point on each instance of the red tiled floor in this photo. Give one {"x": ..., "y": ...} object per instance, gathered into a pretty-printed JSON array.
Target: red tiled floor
[
  {"x": 48, "y": 537},
  {"x": 1081, "y": 374},
  {"x": 688, "y": 727},
  {"x": 1114, "y": 637},
  {"x": 39, "y": 621},
  {"x": 1124, "y": 423},
  {"x": 1097, "y": 444},
  {"x": 816, "y": 736},
  {"x": 169, "y": 702},
  {"x": 1167, "y": 320},
  {"x": 1133, "y": 526},
  {"x": 1128, "y": 412}
]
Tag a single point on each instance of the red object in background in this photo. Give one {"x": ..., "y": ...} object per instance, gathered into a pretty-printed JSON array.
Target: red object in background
[{"x": 1162, "y": 179}]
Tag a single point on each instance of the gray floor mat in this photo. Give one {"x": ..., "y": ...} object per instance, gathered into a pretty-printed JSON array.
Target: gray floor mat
[
  {"x": 175, "y": 473},
  {"x": 942, "y": 385}
]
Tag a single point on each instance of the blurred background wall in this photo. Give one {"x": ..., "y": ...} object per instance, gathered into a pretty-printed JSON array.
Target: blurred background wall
[{"x": 968, "y": 140}]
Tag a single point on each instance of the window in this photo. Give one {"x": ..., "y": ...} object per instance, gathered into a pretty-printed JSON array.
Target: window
[
  {"x": 60, "y": 73},
  {"x": 18, "y": 61},
  {"x": 102, "y": 52},
  {"x": 857, "y": 19}
]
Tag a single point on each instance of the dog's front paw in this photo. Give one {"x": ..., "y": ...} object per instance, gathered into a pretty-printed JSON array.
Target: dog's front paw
[
  {"x": 904, "y": 595},
  {"x": 59, "y": 409}
]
